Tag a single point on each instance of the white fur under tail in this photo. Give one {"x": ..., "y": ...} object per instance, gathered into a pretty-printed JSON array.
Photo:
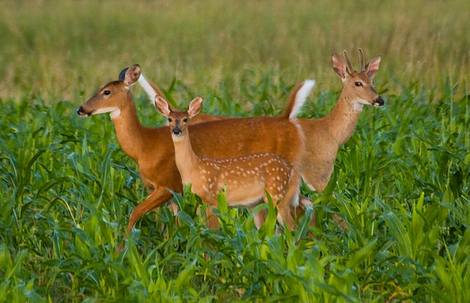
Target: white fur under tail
[
  {"x": 301, "y": 97},
  {"x": 151, "y": 93}
]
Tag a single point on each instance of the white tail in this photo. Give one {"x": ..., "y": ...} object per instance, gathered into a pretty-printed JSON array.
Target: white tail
[
  {"x": 246, "y": 180},
  {"x": 301, "y": 96},
  {"x": 149, "y": 90}
]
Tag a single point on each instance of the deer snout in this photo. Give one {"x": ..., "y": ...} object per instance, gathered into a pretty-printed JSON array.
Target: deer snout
[
  {"x": 81, "y": 112},
  {"x": 176, "y": 131},
  {"x": 379, "y": 101}
]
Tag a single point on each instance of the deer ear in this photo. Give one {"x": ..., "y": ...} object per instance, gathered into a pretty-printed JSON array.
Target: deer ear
[
  {"x": 122, "y": 74},
  {"x": 195, "y": 107},
  {"x": 162, "y": 106},
  {"x": 130, "y": 75},
  {"x": 372, "y": 67},
  {"x": 339, "y": 66}
]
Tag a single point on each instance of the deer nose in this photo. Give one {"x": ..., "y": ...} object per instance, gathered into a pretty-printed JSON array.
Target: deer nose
[
  {"x": 379, "y": 101},
  {"x": 177, "y": 131},
  {"x": 80, "y": 111}
]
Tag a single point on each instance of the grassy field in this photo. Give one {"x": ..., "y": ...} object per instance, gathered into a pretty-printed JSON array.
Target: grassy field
[
  {"x": 401, "y": 182},
  {"x": 64, "y": 49}
]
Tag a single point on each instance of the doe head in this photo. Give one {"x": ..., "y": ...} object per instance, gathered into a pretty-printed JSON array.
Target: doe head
[
  {"x": 178, "y": 121},
  {"x": 358, "y": 84},
  {"x": 112, "y": 97}
]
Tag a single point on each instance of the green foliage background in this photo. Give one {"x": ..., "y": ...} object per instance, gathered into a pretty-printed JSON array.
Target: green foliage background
[{"x": 401, "y": 182}]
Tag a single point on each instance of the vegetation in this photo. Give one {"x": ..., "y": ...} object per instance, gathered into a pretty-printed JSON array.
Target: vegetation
[
  {"x": 64, "y": 49},
  {"x": 401, "y": 183}
]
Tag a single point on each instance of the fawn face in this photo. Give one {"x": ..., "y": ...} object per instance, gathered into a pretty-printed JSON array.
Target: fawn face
[
  {"x": 358, "y": 84},
  {"x": 111, "y": 97},
  {"x": 178, "y": 121}
]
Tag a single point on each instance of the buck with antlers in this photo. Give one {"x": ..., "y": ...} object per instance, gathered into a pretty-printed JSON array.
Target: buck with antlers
[
  {"x": 325, "y": 136},
  {"x": 245, "y": 180},
  {"x": 152, "y": 148}
]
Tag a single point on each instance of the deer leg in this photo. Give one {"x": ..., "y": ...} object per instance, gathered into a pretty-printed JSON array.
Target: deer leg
[
  {"x": 154, "y": 200},
  {"x": 259, "y": 218},
  {"x": 285, "y": 205},
  {"x": 284, "y": 215},
  {"x": 174, "y": 207},
  {"x": 300, "y": 210},
  {"x": 281, "y": 198},
  {"x": 212, "y": 221}
]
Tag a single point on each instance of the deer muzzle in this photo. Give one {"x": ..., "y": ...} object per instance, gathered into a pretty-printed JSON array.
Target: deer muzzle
[
  {"x": 379, "y": 101},
  {"x": 81, "y": 112},
  {"x": 176, "y": 131}
]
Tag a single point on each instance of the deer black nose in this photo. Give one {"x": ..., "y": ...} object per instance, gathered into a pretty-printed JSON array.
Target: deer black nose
[
  {"x": 177, "y": 131},
  {"x": 81, "y": 111},
  {"x": 379, "y": 101}
]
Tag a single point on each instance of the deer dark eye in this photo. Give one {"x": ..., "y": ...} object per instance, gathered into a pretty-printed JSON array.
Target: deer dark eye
[
  {"x": 185, "y": 120},
  {"x": 107, "y": 92},
  {"x": 170, "y": 120},
  {"x": 358, "y": 83}
]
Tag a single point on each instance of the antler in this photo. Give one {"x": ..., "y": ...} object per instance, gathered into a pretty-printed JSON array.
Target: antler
[
  {"x": 362, "y": 58},
  {"x": 349, "y": 68}
]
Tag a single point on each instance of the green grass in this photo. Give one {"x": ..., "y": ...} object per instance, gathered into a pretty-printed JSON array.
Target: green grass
[
  {"x": 65, "y": 49},
  {"x": 401, "y": 182}
]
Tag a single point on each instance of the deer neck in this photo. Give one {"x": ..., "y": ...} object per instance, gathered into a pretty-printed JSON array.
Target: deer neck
[
  {"x": 186, "y": 159},
  {"x": 129, "y": 131},
  {"x": 342, "y": 120}
]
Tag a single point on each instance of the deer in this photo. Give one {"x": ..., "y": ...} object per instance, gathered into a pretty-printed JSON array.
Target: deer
[
  {"x": 326, "y": 135},
  {"x": 152, "y": 148},
  {"x": 322, "y": 138},
  {"x": 245, "y": 180}
]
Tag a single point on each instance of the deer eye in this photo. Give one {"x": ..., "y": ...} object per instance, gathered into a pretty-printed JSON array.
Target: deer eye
[
  {"x": 107, "y": 92},
  {"x": 170, "y": 120},
  {"x": 358, "y": 83},
  {"x": 185, "y": 120}
]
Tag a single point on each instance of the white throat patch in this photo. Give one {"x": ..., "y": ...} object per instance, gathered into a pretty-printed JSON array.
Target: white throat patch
[
  {"x": 176, "y": 138},
  {"x": 114, "y": 111},
  {"x": 358, "y": 104}
]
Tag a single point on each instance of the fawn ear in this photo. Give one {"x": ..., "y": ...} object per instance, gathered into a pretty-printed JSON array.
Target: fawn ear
[
  {"x": 372, "y": 67},
  {"x": 195, "y": 107},
  {"x": 130, "y": 75},
  {"x": 162, "y": 106},
  {"x": 339, "y": 66}
]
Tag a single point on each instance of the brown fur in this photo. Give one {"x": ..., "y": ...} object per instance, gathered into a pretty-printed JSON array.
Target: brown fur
[
  {"x": 152, "y": 148},
  {"x": 324, "y": 136},
  {"x": 245, "y": 180},
  {"x": 236, "y": 137}
]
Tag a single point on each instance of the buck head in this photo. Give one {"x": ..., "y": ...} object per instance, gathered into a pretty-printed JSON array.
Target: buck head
[
  {"x": 358, "y": 85},
  {"x": 112, "y": 97},
  {"x": 178, "y": 121}
]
